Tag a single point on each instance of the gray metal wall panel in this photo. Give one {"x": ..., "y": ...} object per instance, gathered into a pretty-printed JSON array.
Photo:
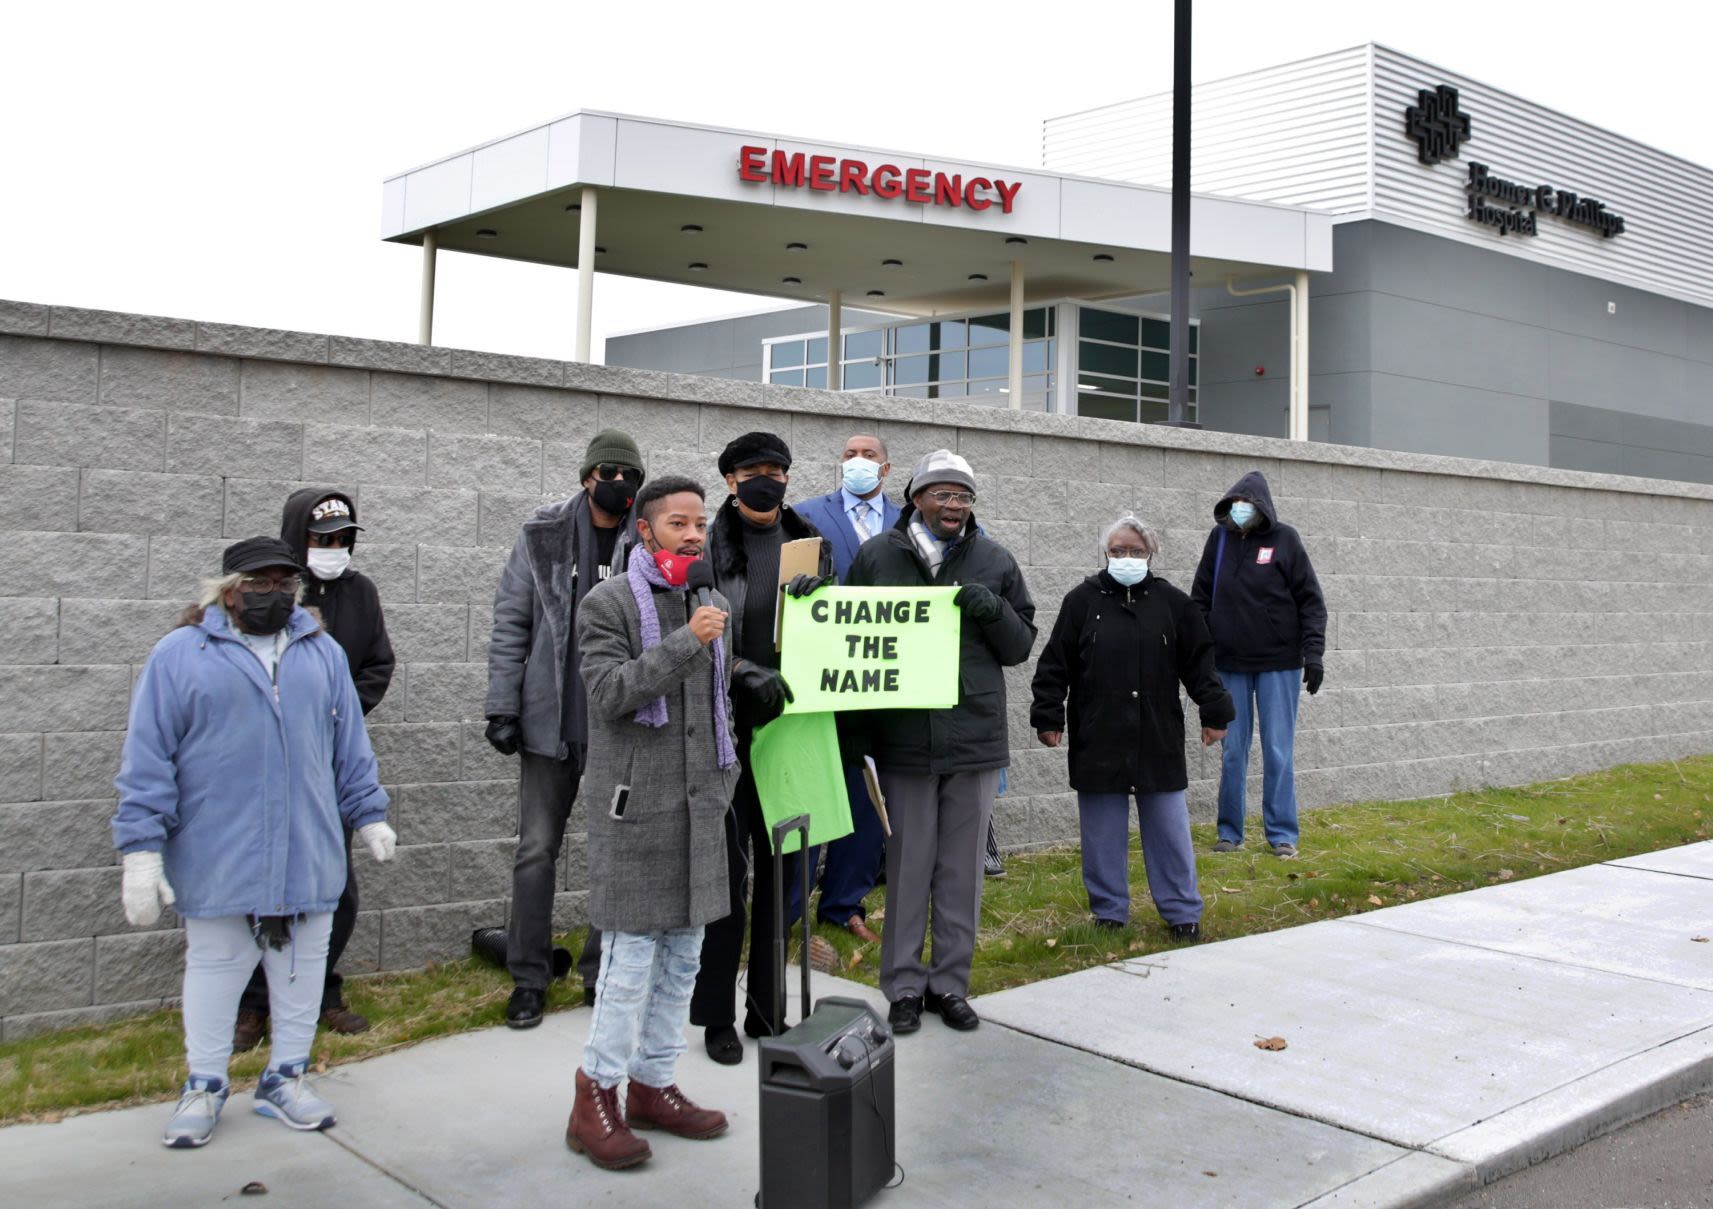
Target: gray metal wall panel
[{"x": 1420, "y": 416}]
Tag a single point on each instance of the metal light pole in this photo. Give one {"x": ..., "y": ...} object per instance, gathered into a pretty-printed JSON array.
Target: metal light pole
[{"x": 1177, "y": 399}]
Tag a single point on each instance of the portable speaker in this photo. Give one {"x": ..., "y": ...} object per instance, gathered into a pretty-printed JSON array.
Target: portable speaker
[{"x": 828, "y": 1133}]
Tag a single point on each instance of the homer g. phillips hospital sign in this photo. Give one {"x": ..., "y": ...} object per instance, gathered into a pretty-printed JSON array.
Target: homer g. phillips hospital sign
[{"x": 833, "y": 174}]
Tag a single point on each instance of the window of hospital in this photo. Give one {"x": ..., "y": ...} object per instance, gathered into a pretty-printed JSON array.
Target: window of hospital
[{"x": 1123, "y": 366}]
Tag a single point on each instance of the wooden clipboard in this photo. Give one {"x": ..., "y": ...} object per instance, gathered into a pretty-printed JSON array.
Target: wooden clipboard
[{"x": 800, "y": 557}]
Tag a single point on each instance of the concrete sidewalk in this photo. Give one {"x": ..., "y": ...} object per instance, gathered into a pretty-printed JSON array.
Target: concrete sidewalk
[{"x": 1431, "y": 1047}]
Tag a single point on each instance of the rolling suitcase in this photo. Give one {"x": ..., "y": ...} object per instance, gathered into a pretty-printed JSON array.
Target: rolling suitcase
[{"x": 827, "y": 1125}]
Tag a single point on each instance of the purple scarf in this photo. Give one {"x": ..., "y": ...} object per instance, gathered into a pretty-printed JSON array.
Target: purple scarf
[{"x": 644, "y": 575}]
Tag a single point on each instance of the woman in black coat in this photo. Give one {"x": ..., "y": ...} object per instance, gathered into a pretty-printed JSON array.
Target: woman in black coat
[{"x": 1124, "y": 641}]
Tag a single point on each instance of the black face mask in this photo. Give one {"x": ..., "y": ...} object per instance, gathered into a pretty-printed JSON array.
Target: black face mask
[
  {"x": 265, "y": 612},
  {"x": 761, "y": 494},
  {"x": 613, "y": 496}
]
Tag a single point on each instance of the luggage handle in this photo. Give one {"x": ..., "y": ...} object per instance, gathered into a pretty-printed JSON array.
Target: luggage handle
[{"x": 782, "y": 829}]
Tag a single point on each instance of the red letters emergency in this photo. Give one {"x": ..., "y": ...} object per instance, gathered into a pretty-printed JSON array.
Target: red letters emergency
[{"x": 920, "y": 186}]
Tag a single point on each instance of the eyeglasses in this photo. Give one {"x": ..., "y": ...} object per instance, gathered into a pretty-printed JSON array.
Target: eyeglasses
[
  {"x": 951, "y": 497},
  {"x": 267, "y": 583},
  {"x": 609, "y": 472},
  {"x": 1126, "y": 552},
  {"x": 322, "y": 541}
]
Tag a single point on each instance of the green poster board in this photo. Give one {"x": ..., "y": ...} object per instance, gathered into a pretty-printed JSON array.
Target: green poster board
[
  {"x": 871, "y": 648},
  {"x": 798, "y": 771}
]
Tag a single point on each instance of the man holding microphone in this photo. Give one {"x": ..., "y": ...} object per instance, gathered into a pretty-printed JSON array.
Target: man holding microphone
[{"x": 662, "y": 764}]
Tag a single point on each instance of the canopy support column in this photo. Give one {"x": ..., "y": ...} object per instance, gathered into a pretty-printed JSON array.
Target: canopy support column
[
  {"x": 835, "y": 346},
  {"x": 1300, "y": 359},
  {"x": 586, "y": 275},
  {"x": 425, "y": 312},
  {"x": 1016, "y": 343}
]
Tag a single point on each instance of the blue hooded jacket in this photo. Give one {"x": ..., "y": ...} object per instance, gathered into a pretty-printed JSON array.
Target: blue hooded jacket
[{"x": 242, "y": 788}]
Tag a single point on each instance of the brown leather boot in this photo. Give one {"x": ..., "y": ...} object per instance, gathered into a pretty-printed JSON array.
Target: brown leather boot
[
  {"x": 247, "y": 1034},
  {"x": 597, "y": 1130},
  {"x": 670, "y": 1109}
]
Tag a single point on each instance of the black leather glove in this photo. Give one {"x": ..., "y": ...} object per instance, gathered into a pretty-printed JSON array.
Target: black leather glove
[
  {"x": 503, "y": 733},
  {"x": 765, "y": 688},
  {"x": 805, "y": 585},
  {"x": 979, "y": 603},
  {"x": 1313, "y": 674}
]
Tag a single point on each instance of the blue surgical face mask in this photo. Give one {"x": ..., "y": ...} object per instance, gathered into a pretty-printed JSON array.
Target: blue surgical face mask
[
  {"x": 861, "y": 476},
  {"x": 1127, "y": 571},
  {"x": 1242, "y": 512}
]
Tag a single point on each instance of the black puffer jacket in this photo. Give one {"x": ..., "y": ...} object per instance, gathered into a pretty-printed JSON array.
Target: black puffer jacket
[
  {"x": 350, "y": 606},
  {"x": 971, "y": 736},
  {"x": 1266, "y": 612},
  {"x": 1120, "y": 653}
]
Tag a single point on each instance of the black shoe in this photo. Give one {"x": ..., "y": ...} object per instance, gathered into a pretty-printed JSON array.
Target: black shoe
[
  {"x": 1109, "y": 925},
  {"x": 524, "y": 1009},
  {"x": 905, "y": 1015},
  {"x": 588, "y": 994},
  {"x": 723, "y": 1045},
  {"x": 991, "y": 865},
  {"x": 955, "y": 1010},
  {"x": 1185, "y": 932}
]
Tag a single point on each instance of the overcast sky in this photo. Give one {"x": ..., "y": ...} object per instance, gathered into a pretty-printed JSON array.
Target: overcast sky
[{"x": 224, "y": 161}]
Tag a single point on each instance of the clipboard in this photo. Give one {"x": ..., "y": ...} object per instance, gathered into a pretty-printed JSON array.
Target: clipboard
[
  {"x": 871, "y": 780},
  {"x": 800, "y": 557}
]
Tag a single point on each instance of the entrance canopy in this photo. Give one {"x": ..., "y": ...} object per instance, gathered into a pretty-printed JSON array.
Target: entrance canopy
[{"x": 809, "y": 221}]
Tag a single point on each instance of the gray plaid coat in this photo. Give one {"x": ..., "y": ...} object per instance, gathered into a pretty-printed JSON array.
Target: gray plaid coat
[{"x": 662, "y": 864}]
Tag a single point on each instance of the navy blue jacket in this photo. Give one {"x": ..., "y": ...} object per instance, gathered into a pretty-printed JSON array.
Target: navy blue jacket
[
  {"x": 1265, "y": 611},
  {"x": 827, "y": 513}
]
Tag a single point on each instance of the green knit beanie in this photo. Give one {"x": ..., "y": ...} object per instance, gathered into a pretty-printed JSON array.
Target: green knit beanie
[{"x": 611, "y": 445}]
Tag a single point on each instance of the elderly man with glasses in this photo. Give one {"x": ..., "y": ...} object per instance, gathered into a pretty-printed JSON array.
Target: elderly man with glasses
[
  {"x": 536, "y": 706},
  {"x": 245, "y": 759},
  {"x": 939, "y": 769}
]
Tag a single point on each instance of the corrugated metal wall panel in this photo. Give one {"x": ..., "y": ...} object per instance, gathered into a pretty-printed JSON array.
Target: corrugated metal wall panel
[
  {"x": 1296, "y": 134},
  {"x": 1667, "y": 244}
]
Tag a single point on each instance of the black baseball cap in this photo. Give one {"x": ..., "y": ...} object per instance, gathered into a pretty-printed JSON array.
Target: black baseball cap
[
  {"x": 255, "y": 553},
  {"x": 332, "y": 515}
]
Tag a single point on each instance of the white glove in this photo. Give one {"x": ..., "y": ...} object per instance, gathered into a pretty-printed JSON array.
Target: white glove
[
  {"x": 381, "y": 840},
  {"x": 144, "y": 889}
]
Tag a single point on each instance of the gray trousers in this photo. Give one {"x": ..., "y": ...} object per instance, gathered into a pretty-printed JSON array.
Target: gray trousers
[
  {"x": 933, "y": 865},
  {"x": 545, "y": 789}
]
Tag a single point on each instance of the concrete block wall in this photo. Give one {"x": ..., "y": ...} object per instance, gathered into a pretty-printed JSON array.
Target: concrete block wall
[{"x": 1491, "y": 623}]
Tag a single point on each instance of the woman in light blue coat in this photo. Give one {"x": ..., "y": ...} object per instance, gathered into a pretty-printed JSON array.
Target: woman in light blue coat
[{"x": 245, "y": 750}]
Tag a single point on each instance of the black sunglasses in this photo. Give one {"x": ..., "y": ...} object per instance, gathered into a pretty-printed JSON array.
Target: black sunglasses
[{"x": 609, "y": 472}]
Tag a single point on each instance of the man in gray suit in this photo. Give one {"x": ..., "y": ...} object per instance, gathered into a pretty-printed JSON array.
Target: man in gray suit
[{"x": 662, "y": 764}]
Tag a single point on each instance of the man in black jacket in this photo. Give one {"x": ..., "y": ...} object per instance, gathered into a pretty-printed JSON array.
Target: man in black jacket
[
  {"x": 1264, "y": 606},
  {"x": 744, "y": 539},
  {"x": 321, "y": 528},
  {"x": 939, "y": 769}
]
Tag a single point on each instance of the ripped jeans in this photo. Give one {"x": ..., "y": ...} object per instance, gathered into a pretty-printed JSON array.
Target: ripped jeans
[{"x": 642, "y": 1003}]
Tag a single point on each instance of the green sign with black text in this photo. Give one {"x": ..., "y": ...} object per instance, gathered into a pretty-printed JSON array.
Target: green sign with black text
[{"x": 871, "y": 648}]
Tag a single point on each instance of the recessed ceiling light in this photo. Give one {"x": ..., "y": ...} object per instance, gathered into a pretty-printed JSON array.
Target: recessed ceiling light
[
  {"x": 575, "y": 206},
  {"x": 1015, "y": 239},
  {"x": 1104, "y": 257},
  {"x": 877, "y": 293},
  {"x": 978, "y": 276},
  {"x": 599, "y": 250},
  {"x": 697, "y": 266},
  {"x": 796, "y": 247},
  {"x": 790, "y": 281},
  {"x": 691, "y": 228},
  {"x": 892, "y": 264},
  {"x": 487, "y": 233}
]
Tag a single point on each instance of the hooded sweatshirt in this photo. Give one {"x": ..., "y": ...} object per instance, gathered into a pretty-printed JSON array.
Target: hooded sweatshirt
[
  {"x": 1265, "y": 609},
  {"x": 349, "y": 607}
]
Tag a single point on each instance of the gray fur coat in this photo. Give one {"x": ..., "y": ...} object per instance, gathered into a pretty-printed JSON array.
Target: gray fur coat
[{"x": 663, "y": 863}]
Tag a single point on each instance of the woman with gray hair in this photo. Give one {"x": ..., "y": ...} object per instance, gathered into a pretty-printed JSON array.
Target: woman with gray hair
[{"x": 1124, "y": 641}]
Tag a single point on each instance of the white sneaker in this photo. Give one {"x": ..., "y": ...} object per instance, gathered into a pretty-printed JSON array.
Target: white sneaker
[
  {"x": 198, "y": 1112},
  {"x": 285, "y": 1095}
]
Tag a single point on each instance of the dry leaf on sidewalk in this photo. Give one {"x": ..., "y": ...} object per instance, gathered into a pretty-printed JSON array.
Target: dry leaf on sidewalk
[
  {"x": 1272, "y": 1043},
  {"x": 1700, "y": 940},
  {"x": 1376, "y": 900}
]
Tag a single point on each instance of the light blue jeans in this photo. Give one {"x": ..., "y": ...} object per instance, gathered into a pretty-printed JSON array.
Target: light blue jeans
[
  {"x": 642, "y": 1002},
  {"x": 219, "y": 957},
  {"x": 1271, "y": 699}
]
